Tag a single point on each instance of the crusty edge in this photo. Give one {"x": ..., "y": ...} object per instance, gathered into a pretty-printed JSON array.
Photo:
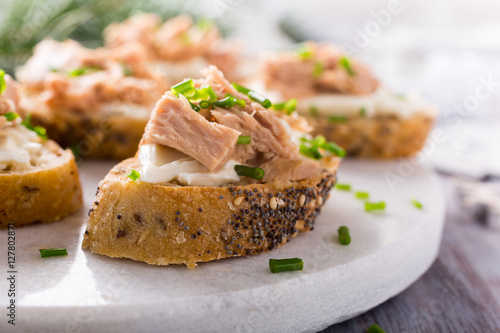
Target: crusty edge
[
  {"x": 162, "y": 225},
  {"x": 40, "y": 196},
  {"x": 378, "y": 136}
]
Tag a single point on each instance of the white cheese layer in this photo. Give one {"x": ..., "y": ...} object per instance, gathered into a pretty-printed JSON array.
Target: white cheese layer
[
  {"x": 19, "y": 147},
  {"x": 162, "y": 164},
  {"x": 175, "y": 71}
]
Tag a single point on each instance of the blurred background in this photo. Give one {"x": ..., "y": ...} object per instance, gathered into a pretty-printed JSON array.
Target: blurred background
[{"x": 447, "y": 50}]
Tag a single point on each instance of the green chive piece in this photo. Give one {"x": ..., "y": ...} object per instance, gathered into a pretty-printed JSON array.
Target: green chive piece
[
  {"x": 11, "y": 116},
  {"x": 288, "y": 107},
  {"x": 362, "y": 195},
  {"x": 346, "y": 64},
  {"x": 211, "y": 93},
  {"x": 313, "y": 111},
  {"x": 244, "y": 140},
  {"x": 369, "y": 206},
  {"x": 241, "y": 89},
  {"x": 335, "y": 149},
  {"x": 53, "y": 252},
  {"x": 304, "y": 52},
  {"x": 226, "y": 102},
  {"x": 375, "y": 329},
  {"x": 84, "y": 70},
  {"x": 318, "y": 69},
  {"x": 195, "y": 107},
  {"x": 343, "y": 187},
  {"x": 239, "y": 102},
  {"x": 204, "y": 24},
  {"x": 337, "y": 119},
  {"x": 285, "y": 265},
  {"x": 205, "y": 104},
  {"x": 344, "y": 237},
  {"x": 185, "y": 87},
  {"x": 127, "y": 70},
  {"x": 278, "y": 106},
  {"x": 362, "y": 112},
  {"x": 247, "y": 171},
  {"x": 133, "y": 175},
  {"x": 416, "y": 203},
  {"x": 260, "y": 99},
  {"x": 3, "y": 84},
  {"x": 311, "y": 152},
  {"x": 39, "y": 130}
]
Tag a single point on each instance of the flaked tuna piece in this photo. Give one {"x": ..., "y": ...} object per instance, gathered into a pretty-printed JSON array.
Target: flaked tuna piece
[
  {"x": 283, "y": 169},
  {"x": 267, "y": 131},
  {"x": 9, "y": 100},
  {"x": 323, "y": 69},
  {"x": 173, "y": 123}
]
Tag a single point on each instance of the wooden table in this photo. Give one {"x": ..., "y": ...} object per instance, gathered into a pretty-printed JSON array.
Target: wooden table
[{"x": 459, "y": 293}]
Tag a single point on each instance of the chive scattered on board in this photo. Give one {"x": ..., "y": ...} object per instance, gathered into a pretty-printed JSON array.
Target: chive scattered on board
[
  {"x": 370, "y": 206},
  {"x": 362, "y": 195},
  {"x": 53, "y": 252},
  {"x": 344, "y": 237},
  {"x": 416, "y": 203},
  {"x": 285, "y": 265},
  {"x": 343, "y": 187}
]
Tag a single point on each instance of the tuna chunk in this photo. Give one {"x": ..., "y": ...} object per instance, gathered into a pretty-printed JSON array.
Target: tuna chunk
[
  {"x": 322, "y": 71},
  {"x": 268, "y": 134},
  {"x": 9, "y": 100},
  {"x": 282, "y": 169},
  {"x": 174, "y": 124}
]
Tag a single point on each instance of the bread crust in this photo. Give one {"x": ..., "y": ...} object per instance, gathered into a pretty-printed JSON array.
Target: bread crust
[
  {"x": 93, "y": 135},
  {"x": 164, "y": 224},
  {"x": 376, "y": 137},
  {"x": 43, "y": 195}
]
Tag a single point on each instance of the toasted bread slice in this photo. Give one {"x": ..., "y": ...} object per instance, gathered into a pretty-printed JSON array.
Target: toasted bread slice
[
  {"x": 165, "y": 223},
  {"x": 49, "y": 191},
  {"x": 387, "y": 136}
]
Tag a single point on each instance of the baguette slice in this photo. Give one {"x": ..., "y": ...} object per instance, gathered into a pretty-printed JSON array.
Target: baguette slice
[
  {"x": 46, "y": 193},
  {"x": 189, "y": 224}
]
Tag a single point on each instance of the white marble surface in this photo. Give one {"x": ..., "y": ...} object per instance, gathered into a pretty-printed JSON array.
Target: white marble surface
[{"x": 85, "y": 292}]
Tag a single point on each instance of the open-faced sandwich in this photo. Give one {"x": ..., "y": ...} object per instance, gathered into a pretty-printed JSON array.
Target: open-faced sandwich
[
  {"x": 344, "y": 102},
  {"x": 178, "y": 48},
  {"x": 38, "y": 180},
  {"x": 95, "y": 101},
  {"x": 217, "y": 175}
]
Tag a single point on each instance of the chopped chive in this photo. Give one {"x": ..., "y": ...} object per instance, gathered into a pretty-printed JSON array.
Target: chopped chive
[
  {"x": 416, "y": 203},
  {"x": 375, "y": 329},
  {"x": 362, "y": 111},
  {"x": 244, "y": 140},
  {"x": 311, "y": 152},
  {"x": 285, "y": 265},
  {"x": 11, "y": 116},
  {"x": 226, "y": 102},
  {"x": 278, "y": 106},
  {"x": 288, "y": 107},
  {"x": 238, "y": 101},
  {"x": 204, "y": 24},
  {"x": 362, "y": 195},
  {"x": 127, "y": 70},
  {"x": 211, "y": 93},
  {"x": 318, "y": 69},
  {"x": 185, "y": 87},
  {"x": 84, "y": 70},
  {"x": 304, "y": 52},
  {"x": 133, "y": 175},
  {"x": 313, "y": 111},
  {"x": 54, "y": 70},
  {"x": 335, "y": 149},
  {"x": 346, "y": 64},
  {"x": 369, "y": 206},
  {"x": 53, "y": 252},
  {"x": 337, "y": 119},
  {"x": 205, "y": 104},
  {"x": 343, "y": 187},
  {"x": 247, "y": 171},
  {"x": 344, "y": 237},
  {"x": 241, "y": 89},
  {"x": 3, "y": 84},
  {"x": 39, "y": 130},
  {"x": 259, "y": 99},
  {"x": 195, "y": 107}
]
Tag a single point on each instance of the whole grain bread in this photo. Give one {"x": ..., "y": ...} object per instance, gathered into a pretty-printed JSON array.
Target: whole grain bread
[
  {"x": 166, "y": 223},
  {"x": 376, "y": 137},
  {"x": 45, "y": 194}
]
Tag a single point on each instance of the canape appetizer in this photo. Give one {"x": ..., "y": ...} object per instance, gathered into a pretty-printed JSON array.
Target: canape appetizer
[
  {"x": 178, "y": 48},
  {"x": 38, "y": 180},
  {"x": 343, "y": 101},
  {"x": 217, "y": 175},
  {"x": 95, "y": 101}
]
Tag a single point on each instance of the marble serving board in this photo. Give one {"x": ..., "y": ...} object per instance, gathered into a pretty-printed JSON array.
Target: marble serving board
[{"x": 86, "y": 292}]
